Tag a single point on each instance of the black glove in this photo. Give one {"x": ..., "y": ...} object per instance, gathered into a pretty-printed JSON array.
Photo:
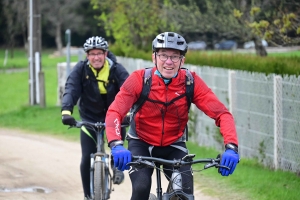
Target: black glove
[{"x": 68, "y": 120}]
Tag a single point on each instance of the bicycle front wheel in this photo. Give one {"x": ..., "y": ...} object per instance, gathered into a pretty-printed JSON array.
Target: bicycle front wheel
[
  {"x": 99, "y": 179},
  {"x": 171, "y": 194}
]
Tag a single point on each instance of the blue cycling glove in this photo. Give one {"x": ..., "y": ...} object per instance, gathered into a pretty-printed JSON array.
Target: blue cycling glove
[
  {"x": 230, "y": 159},
  {"x": 122, "y": 156}
]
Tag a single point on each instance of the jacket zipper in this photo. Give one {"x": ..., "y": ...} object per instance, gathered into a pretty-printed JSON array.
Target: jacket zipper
[{"x": 163, "y": 117}]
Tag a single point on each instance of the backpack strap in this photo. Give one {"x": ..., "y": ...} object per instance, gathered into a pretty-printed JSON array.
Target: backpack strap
[
  {"x": 144, "y": 94},
  {"x": 189, "y": 87},
  {"x": 189, "y": 92},
  {"x": 84, "y": 70}
]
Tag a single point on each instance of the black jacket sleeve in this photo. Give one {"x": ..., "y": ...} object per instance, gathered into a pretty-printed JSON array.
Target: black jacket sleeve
[
  {"x": 73, "y": 87},
  {"x": 118, "y": 71},
  {"x": 121, "y": 74}
]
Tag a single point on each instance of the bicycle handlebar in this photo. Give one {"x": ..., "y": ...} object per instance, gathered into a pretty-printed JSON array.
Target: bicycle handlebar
[
  {"x": 79, "y": 124},
  {"x": 97, "y": 125},
  {"x": 143, "y": 161}
]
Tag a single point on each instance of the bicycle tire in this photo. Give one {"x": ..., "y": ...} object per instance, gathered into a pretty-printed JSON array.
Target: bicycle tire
[
  {"x": 174, "y": 197},
  {"x": 99, "y": 180},
  {"x": 152, "y": 197}
]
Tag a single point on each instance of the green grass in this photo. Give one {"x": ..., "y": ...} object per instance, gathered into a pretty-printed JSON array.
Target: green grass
[
  {"x": 20, "y": 59},
  {"x": 286, "y": 54},
  {"x": 14, "y": 60},
  {"x": 15, "y": 111},
  {"x": 40, "y": 121},
  {"x": 250, "y": 181}
]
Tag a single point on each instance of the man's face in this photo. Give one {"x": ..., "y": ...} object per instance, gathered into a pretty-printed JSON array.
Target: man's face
[
  {"x": 96, "y": 58},
  {"x": 168, "y": 61}
]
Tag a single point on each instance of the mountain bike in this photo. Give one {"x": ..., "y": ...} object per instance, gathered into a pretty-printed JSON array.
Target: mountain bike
[
  {"x": 175, "y": 189},
  {"x": 100, "y": 176}
]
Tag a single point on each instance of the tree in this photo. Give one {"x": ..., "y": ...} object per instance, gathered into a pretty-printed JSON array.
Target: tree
[
  {"x": 283, "y": 26},
  {"x": 132, "y": 24},
  {"x": 277, "y": 21},
  {"x": 213, "y": 19},
  {"x": 15, "y": 13},
  {"x": 61, "y": 15},
  {"x": 135, "y": 23}
]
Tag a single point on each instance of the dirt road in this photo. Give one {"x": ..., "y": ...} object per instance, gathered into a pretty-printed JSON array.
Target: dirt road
[{"x": 34, "y": 167}]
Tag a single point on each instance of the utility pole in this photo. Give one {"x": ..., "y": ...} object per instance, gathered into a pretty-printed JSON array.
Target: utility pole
[
  {"x": 36, "y": 76},
  {"x": 68, "y": 46}
]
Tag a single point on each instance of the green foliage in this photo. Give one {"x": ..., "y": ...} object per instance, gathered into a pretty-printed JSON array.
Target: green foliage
[
  {"x": 191, "y": 123},
  {"x": 278, "y": 63},
  {"x": 282, "y": 65},
  {"x": 135, "y": 53},
  {"x": 262, "y": 150},
  {"x": 236, "y": 13},
  {"x": 218, "y": 136},
  {"x": 131, "y": 23},
  {"x": 276, "y": 27}
]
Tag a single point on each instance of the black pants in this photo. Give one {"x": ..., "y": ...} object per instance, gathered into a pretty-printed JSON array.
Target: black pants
[
  {"x": 141, "y": 178},
  {"x": 88, "y": 146}
]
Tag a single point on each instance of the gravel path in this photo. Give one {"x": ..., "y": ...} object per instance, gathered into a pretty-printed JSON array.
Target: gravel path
[{"x": 35, "y": 167}]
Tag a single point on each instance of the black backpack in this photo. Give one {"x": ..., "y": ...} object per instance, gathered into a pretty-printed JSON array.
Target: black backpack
[{"x": 189, "y": 92}]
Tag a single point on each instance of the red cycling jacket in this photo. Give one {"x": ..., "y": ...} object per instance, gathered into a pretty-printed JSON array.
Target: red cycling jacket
[{"x": 161, "y": 125}]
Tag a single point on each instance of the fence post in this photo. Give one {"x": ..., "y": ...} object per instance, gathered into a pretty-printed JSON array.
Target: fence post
[
  {"x": 231, "y": 89},
  {"x": 42, "y": 96},
  {"x": 277, "y": 120},
  {"x": 139, "y": 63}
]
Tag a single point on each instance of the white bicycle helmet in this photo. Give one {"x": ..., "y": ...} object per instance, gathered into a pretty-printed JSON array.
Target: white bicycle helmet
[
  {"x": 95, "y": 42},
  {"x": 170, "y": 40}
]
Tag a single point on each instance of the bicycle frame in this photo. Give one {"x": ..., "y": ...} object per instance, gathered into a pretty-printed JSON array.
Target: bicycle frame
[
  {"x": 105, "y": 186},
  {"x": 100, "y": 156},
  {"x": 105, "y": 183},
  {"x": 174, "y": 185}
]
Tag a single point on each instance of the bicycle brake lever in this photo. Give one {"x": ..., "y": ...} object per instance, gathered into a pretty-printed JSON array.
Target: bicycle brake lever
[
  {"x": 188, "y": 158},
  {"x": 71, "y": 127},
  {"x": 141, "y": 164},
  {"x": 222, "y": 166},
  {"x": 209, "y": 165}
]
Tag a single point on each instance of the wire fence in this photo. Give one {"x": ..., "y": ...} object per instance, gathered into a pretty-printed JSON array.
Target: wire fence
[{"x": 265, "y": 108}]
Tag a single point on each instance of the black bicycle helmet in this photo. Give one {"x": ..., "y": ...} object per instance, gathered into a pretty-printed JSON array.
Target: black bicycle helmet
[
  {"x": 170, "y": 40},
  {"x": 95, "y": 42}
]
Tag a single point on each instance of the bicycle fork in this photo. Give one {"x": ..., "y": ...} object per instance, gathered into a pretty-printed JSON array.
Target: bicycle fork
[
  {"x": 100, "y": 158},
  {"x": 175, "y": 188},
  {"x": 175, "y": 185},
  {"x": 92, "y": 177}
]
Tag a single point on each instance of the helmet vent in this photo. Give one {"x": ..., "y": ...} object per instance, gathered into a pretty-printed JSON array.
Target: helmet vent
[{"x": 169, "y": 40}]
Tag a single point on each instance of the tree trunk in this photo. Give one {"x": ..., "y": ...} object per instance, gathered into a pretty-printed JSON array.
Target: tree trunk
[
  {"x": 11, "y": 45},
  {"x": 58, "y": 39},
  {"x": 259, "y": 48}
]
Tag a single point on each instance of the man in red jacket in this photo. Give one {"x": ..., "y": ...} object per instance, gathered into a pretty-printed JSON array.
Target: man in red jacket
[{"x": 158, "y": 127}]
